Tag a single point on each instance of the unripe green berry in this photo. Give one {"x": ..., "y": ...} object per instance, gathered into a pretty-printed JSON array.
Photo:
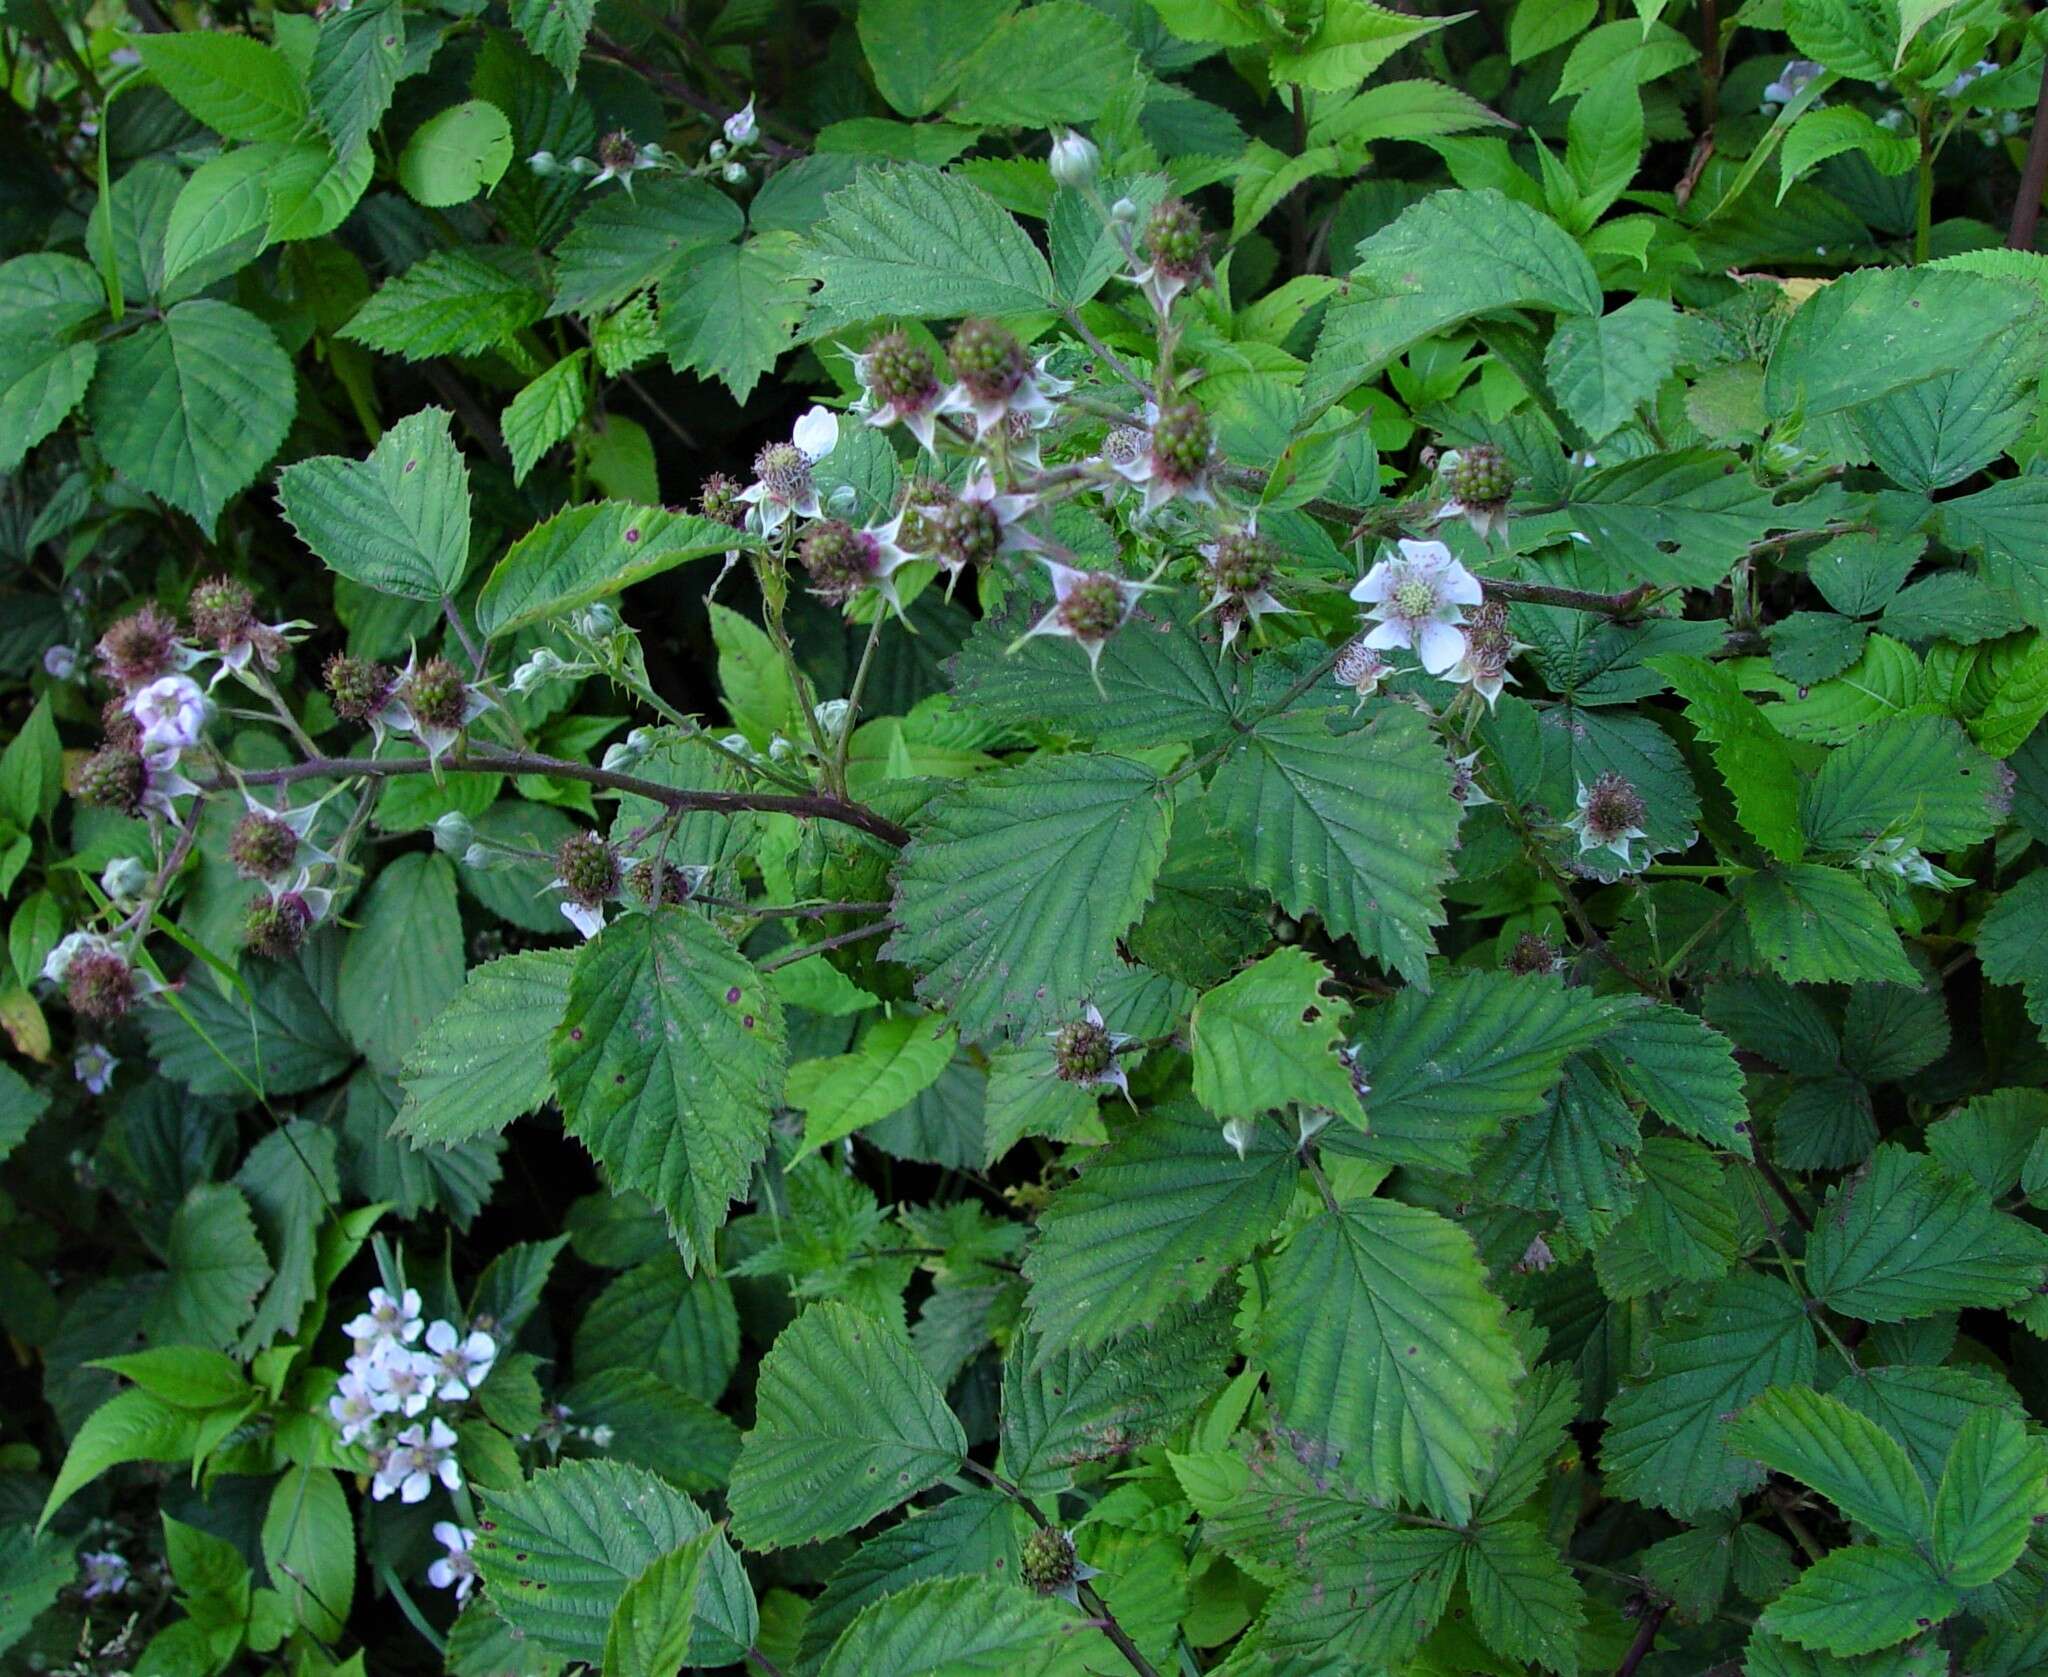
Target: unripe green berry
[
  {"x": 1482, "y": 477},
  {"x": 965, "y": 533},
  {"x": 1093, "y": 609},
  {"x": 923, "y": 502},
  {"x": 1242, "y": 563},
  {"x": 99, "y": 984},
  {"x": 674, "y": 883},
  {"x": 988, "y": 359},
  {"x": 1174, "y": 239},
  {"x": 588, "y": 869},
  {"x": 436, "y": 695},
  {"x": 1180, "y": 441},
  {"x": 261, "y": 846},
  {"x": 900, "y": 372},
  {"x": 1048, "y": 1560},
  {"x": 1532, "y": 954},
  {"x": 113, "y": 777},
  {"x": 719, "y": 500},
  {"x": 839, "y": 558},
  {"x": 222, "y": 611},
  {"x": 275, "y": 926},
  {"x": 358, "y": 686},
  {"x": 1082, "y": 1051}
]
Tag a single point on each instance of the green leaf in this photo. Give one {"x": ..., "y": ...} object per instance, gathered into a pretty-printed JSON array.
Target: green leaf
[
  {"x": 192, "y": 406},
  {"x": 33, "y": 1569},
  {"x": 1604, "y": 369},
  {"x": 1666, "y": 1443},
  {"x": 1913, "y": 777},
  {"x": 32, "y": 772},
  {"x": 1679, "y": 520},
  {"x": 1906, "y": 1237},
  {"x": 282, "y": 1038},
  {"x": 1268, "y": 1038},
  {"x": 668, "y": 1064},
  {"x": 132, "y": 1426},
  {"x": 897, "y": 1059},
  {"x": 1153, "y": 1220},
  {"x": 1925, "y": 321},
  {"x": 847, "y": 1425},
  {"x": 915, "y": 51},
  {"x": 455, "y": 154},
  {"x": 357, "y": 62},
  {"x": 560, "y": 1551},
  {"x": 590, "y": 553},
  {"x": 964, "y": 1627},
  {"x": 403, "y": 964},
  {"x": 1383, "y": 1344},
  {"x": 1683, "y": 1070},
  {"x": 309, "y": 1547},
  {"x": 759, "y": 694},
  {"x": 2018, "y": 706},
  {"x": 1821, "y": 134},
  {"x": 908, "y": 231},
  {"x": 1353, "y": 824},
  {"x": 2012, "y": 942},
  {"x": 1452, "y": 256},
  {"x": 1447, "y": 1067},
  {"x": 1993, "y": 1489},
  {"x": 484, "y": 1060},
  {"x": 1371, "y": 1599},
  {"x": 556, "y": 30},
  {"x": 729, "y": 312},
  {"x": 452, "y": 302},
  {"x": 237, "y": 86},
  {"x": 1855, "y": 1601},
  {"x": 1750, "y": 753},
  {"x": 659, "y": 1317},
  {"x": 291, "y": 1181},
  {"x": 1845, "y": 1456},
  {"x": 649, "y": 1632},
  {"x": 1811, "y": 924},
  {"x": 42, "y": 379},
  {"x": 1059, "y": 61},
  {"x": 1062, "y": 1408},
  {"x": 1525, "y": 1603},
  {"x": 1408, "y": 110},
  {"x": 184, "y": 1376},
  {"x": 2000, "y": 523},
  {"x": 1684, "y": 1214},
  {"x": 1013, "y": 894},
  {"x": 1571, "y": 1158},
  {"x": 1351, "y": 39},
  {"x": 397, "y": 522},
  {"x": 546, "y": 411},
  {"x": 657, "y": 1425},
  {"x": 628, "y": 240},
  {"x": 312, "y": 192},
  {"x": 226, "y": 200},
  {"x": 217, "y": 1267}
]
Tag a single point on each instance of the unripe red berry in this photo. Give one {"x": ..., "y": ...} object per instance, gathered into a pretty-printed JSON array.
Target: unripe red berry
[
  {"x": 839, "y": 558},
  {"x": 358, "y": 686},
  {"x": 588, "y": 869},
  {"x": 987, "y": 359},
  {"x": 436, "y": 695},
  {"x": 113, "y": 777},
  {"x": 262, "y": 846},
  {"x": 674, "y": 883},
  {"x": 1533, "y": 954},
  {"x": 965, "y": 533},
  {"x": 100, "y": 985},
  {"x": 276, "y": 926}
]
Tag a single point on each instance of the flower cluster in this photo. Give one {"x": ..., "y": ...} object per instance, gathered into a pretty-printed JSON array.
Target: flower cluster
[{"x": 389, "y": 1398}]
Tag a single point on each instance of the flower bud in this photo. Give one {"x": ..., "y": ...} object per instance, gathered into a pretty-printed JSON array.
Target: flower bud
[
  {"x": 125, "y": 878},
  {"x": 540, "y": 667},
  {"x": 742, "y": 127},
  {"x": 734, "y": 173},
  {"x": 717, "y": 151},
  {"x": 543, "y": 163},
  {"x": 1075, "y": 160},
  {"x": 594, "y": 622},
  {"x": 453, "y": 833},
  {"x": 1124, "y": 211},
  {"x": 60, "y": 663},
  {"x": 480, "y": 859}
]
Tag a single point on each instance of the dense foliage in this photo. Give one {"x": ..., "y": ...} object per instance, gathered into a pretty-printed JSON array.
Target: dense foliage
[{"x": 961, "y": 836}]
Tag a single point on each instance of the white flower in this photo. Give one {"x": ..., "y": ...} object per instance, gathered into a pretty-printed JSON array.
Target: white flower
[
  {"x": 60, "y": 663},
  {"x": 400, "y": 1381},
  {"x": 1087, "y": 607},
  {"x": 457, "y": 1568},
  {"x": 57, "y": 964},
  {"x": 1415, "y": 601},
  {"x": 424, "y": 1453},
  {"x": 394, "y": 1319},
  {"x": 171, "y": 711},
  {"x": 782, "y": 473},
  {"x": 1790, "y": 83},
  {"x": 105, "y": 1573},
  {"x": 354, "y": 1407},
  {"x": 124, "y": 878},
  {"x": 742, "y": 127},
  {"x": 1610, "y": 816},
  {"x": 93, "y": 1066},
  {"x": 460, "y": 1364},
  {"x": 161, "y": 782},
  {"x": 1075, "y": 160}
]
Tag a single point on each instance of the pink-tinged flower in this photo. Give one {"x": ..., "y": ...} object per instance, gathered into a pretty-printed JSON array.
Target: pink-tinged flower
[
  {"x": 782, "y": 473},
  {"x": 995, "y": 377},
  {"x": 393, "y": 1317},
  {"x": 424, "y": 1453},
  {"x": 1169, "y": 458},
  {"x": 354, "y": 1408},
  {"x": 1417, "y": 601},
  {"x": 105, "y": 1573},
  {"x": 171, "y": 711},
  {"x": 1610, "y": 816},
  {"x": 456, "y": 1569},
  {"x": 431, "y": 702},
  {"x": 94, "y": 1066},
  {"x": 1084, "y": 1053},
  {"x": 843, "y": 560},
  {"x": 900, "y": 386},
  {"x": 401, "y": 1382},
  {"x": 1240, "y": 580},
  {"x": 1088, "y": 607},
  {"x": 1361, "y": 668},
  {"x": 1489, "y": 645},
  {"x": 742, "y": 126}
]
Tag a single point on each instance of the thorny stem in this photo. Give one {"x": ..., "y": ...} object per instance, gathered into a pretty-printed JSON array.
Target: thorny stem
[
  {"x": 2026, "y": 209},
  {"x": 822, "y": 805}
]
